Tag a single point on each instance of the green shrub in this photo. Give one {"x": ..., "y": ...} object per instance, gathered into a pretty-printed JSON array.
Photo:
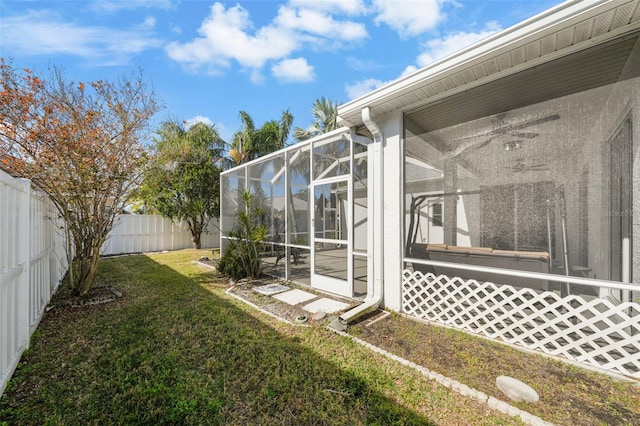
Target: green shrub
[
  {"x": 242, "y": 257},
  {"x": 230, "y": 264}
]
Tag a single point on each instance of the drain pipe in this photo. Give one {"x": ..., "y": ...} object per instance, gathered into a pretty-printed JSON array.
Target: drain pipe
[{"x": 374, "y": 298}]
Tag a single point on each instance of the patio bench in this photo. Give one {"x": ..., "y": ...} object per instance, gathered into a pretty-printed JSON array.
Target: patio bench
[{"x": 532, "y": 261}]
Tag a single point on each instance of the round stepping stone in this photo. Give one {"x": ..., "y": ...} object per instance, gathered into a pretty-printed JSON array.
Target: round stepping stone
[
  {"x": 319, "y": 315},
  {"x": 516, "y": 390}
]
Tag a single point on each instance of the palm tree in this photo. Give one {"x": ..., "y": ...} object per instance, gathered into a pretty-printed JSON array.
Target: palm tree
[
  {"x": 242, "y": 140},
  {"x": 325, "y": 119},
  {"x": 273, "y": 134},
  {"x": 250, "y": 143}
]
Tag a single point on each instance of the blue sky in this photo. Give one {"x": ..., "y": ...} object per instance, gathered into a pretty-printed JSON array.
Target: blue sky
[{"x": 209, "y": 60}]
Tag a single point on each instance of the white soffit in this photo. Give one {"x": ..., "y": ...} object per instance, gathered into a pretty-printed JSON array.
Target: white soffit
[{"x": 567, "y": 28}]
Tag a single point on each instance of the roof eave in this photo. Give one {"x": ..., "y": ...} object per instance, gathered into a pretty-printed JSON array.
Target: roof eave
[{"x": 562, "y": 16}]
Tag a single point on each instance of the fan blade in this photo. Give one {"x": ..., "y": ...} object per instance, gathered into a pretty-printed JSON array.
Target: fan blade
[
  {"x": 513, "y": 127},
  {"x": 472, "y": 146},
  {"x": 525, "y": 135},
  {"x": 510, "y": 128},
  {"x": 520, "y": 167}
]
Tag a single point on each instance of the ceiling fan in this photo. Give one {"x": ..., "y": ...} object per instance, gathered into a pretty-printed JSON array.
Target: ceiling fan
[{"x": 500, "y": 129}]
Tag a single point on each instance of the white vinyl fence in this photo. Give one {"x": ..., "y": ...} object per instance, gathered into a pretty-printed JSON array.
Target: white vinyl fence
[
  {"x": 134, "y": 233},
  {"x": 33, "y": 258},
  {"x": 32, "y": 264}
]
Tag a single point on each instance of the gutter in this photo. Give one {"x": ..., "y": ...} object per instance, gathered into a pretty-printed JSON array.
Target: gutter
[{"x": 374, "y": 298}]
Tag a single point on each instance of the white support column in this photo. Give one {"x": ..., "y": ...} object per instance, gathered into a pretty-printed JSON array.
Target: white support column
[
  {"x": 393, "y": 218},
  {"x": 635, "y": 213},
  {"x": 286, "y": 206}
]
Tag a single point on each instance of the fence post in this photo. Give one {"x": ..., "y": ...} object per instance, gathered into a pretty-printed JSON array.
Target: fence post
[{"x": 24, "y": 254}]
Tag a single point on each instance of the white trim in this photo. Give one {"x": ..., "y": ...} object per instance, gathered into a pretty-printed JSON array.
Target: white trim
[
  {"x": 296, "y": 146},
  {"x": 331, "y": 241},
  {"x": 323, "y": 282},
  {"x": 592, "y": 282}
]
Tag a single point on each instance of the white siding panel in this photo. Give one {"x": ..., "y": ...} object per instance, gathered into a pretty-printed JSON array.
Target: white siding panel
[
  {"x": 548, "y": 44},
  {"x": 533, "y": 50},
  {"x": 518, "y": 56},
  {"x": 603, "y": 23},
  {"x": 584, "y": 31},
  {"x": 504, "y": 61}
]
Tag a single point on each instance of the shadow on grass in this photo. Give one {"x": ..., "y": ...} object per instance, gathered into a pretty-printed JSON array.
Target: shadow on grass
[{"x": 170, "y": 352}]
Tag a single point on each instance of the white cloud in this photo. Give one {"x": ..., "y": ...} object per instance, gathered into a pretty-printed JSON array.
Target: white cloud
[
  {"x": 293, "y": 70},
  {"x": 349, "y": 7},
  {"x": 257, "y": 77},
  {"x": 198, "y": 119},
  {"x": 175, "y": 28},
  {"x": 149, "y": 23},
  {"x": 362, "y": 65},
  {"x": 363, "y": 87},
  {"x": 409, "y": 18},
  {"x": 225, "y": 35},
  {"x": 118, "y": 5},
  {"x": 228, "y": 36},
  {"x": 440, "y": 47},
  {"x": 45, "y": 33},
  {"x": 408, "y": 70},
  {"x": 318, "y": 22}
]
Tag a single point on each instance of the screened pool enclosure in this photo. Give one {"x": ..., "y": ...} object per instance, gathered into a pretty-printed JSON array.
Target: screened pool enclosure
[
  {"x": 496, "y": 190},
  {"x": 314, "y": 203}
]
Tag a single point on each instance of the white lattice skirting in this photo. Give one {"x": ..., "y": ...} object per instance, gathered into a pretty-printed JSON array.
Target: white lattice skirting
[{"x": 595, "y": 332}]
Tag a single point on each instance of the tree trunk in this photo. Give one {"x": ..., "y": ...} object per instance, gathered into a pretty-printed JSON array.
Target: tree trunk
[
  {"x": 196, "y": 226},
  {"x": 91, "y": 275},
  {"x": 86, "y": 265},
  {"x": 196, "y": 241}
]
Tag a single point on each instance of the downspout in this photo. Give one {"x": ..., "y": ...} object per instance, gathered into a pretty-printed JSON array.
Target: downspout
[{"x": 373, "y": 300}]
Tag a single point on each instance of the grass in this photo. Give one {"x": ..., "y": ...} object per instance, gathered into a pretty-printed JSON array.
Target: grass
[
  {"x": 177, "y": 350},
  {"x": 569, "y": 395}
]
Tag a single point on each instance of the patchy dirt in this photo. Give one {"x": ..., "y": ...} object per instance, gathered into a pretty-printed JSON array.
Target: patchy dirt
[
  {"x": 65, "y": 298},
  {"x": 245, "y": 290},
  {"x": 205, "y": 260}
]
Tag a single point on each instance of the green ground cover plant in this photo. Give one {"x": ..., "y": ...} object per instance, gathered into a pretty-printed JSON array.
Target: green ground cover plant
[{"x": 176, "y": 349}]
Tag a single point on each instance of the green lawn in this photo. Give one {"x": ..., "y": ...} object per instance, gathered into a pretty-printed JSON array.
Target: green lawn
[{"x": 177, "y": 350}]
